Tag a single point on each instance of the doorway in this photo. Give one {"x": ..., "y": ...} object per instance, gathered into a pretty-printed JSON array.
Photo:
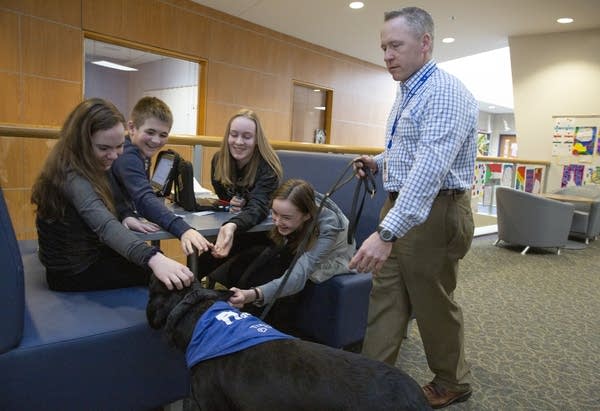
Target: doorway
[{"x": 507, "y": 145}]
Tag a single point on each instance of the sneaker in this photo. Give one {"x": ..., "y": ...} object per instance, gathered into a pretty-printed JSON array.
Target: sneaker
[{"x": 439, "y": 397}]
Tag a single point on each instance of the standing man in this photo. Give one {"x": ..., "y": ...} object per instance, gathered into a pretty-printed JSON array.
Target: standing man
[{"x": 426, "y": 224}]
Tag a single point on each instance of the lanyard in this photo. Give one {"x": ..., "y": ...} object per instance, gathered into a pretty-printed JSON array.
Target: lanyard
[{"x": 406, "y": 99}]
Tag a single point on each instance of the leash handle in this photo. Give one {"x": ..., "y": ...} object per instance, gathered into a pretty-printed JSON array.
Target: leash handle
[{"x": 354, "y": 213}]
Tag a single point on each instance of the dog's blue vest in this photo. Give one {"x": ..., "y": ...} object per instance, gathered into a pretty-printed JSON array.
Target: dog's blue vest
[{"x": 223, "y": 330}]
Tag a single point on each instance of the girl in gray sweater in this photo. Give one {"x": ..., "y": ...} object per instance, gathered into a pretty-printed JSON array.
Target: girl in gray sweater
[
  {"x": 82, "y": 243},
  {"x": 293, "y": 208}
]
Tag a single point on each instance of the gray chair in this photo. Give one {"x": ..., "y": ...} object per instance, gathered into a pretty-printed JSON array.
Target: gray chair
[
  {"x": 530, "y": 220},
  {"x": 586, "y": 220}
]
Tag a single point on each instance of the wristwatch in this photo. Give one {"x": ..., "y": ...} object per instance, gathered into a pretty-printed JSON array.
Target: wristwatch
[{"x": 386, "y": 235}]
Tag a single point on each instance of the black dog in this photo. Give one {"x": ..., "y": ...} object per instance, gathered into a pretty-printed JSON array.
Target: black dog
[{"x": 284, "y": 374}]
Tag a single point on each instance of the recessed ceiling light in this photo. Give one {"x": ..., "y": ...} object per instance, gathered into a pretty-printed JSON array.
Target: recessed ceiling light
[
  {"x": 316, "y": 90},
  {"x": 356, "y": 5},
  {"x": 565, "y": 20},
  {"x": 115, "y": 66},
  {"x": 448, "y": 40}
]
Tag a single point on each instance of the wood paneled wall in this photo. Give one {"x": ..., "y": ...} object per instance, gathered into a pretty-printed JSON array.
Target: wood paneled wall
[
  {"x": 251, "y": 66},
  {"x": 41, "y": 61},
  {"x": 41, "y": 54}
]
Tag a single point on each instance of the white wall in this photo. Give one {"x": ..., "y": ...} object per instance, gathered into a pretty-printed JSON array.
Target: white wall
[
  {"x": 176, "y": 83},
  {"x": 553, "y": 74},
  {"x": 484, "y": 122},
  {"x": 108, "y": 84}
]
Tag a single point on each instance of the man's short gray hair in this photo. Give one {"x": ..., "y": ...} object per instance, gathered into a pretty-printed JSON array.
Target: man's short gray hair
[{"x": 418, "y": 20}]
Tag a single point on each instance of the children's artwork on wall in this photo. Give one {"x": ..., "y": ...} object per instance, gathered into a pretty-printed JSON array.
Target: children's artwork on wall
[
  {"x": 584, "y": 140},
  {"x": 529, "y": 174},
  {"x": 537, "y": 180},
  {"x": 592, "y": 175},
  {"x": 593, "y": 131},
  {"x": 494, "y": 172},
  {"x": 508, "y": 175},
  {"x": 520, "y": 178},
  {"x": 478, "y": 180},
  {"x": 529, "y": 179},
  {"x": 581, "y": 163},
  {"x": 563, "y": 137},
  {"x": 572, "y": 175}
]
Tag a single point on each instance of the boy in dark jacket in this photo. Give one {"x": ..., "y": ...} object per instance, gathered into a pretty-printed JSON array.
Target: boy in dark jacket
[{"x": 149, "y": 127}]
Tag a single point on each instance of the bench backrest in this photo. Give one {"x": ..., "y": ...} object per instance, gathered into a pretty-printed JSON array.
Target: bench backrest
[
  {"x": 12, "y": 291},
  {"x": 322, "y": 170}
]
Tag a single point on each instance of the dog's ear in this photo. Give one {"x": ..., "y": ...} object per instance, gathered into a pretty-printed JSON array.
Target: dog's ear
[
  {"x": 158, "y": 308},
  {"x": 156, "y": 286},
  {"x": 156, "y": 312}
]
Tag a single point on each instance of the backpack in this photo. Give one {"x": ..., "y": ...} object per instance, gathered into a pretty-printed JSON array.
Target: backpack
[
  {"x": 182, "y": 177},
  {"x": 184, "y": 186}
]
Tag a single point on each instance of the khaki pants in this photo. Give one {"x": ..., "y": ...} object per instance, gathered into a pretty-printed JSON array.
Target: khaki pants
[{"x": 420, "y": 277}]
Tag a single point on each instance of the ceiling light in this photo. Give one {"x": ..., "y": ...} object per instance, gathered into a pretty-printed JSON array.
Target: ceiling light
[
  {"x": 565, "y": 20},
  {"x": 115, "y": 66},
  {"x": 356, "y": 5},
  {"x": 448, "y": 40},
  {"x": 316, "y": 90}
]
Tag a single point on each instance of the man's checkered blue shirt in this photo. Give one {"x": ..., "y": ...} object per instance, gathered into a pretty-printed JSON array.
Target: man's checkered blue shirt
[{"x": 433, "y": 146}]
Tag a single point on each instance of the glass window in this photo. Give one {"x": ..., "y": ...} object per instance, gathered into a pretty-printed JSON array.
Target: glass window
[
  {"x": 311, "y": 113},
  {"x": 123, "y": 75}
]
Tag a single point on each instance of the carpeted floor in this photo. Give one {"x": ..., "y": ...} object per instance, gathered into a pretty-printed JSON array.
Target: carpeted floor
[{"x": 532, "y": 329}]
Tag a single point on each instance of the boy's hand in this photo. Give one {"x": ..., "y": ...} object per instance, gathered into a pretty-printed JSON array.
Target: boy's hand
[
  {"x": 192, "y": 238},
  {"x": 135, "y": 224}
]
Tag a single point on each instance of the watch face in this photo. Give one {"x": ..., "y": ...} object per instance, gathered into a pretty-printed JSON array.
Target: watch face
[{"x": 386, "y": 235}]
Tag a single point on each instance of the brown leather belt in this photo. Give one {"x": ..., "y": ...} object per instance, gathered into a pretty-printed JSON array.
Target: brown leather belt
[{"x": 393, "y": 195}]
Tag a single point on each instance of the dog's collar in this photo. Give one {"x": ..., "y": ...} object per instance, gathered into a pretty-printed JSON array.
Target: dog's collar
[{"x": 181, "y": 309}]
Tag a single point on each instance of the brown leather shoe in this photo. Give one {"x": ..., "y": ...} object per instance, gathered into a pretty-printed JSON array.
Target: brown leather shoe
[{"x": 439, "y": 397}]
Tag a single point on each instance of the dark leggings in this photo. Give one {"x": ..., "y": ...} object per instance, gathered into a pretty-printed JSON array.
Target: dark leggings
[{"x": 111, "y": 270}]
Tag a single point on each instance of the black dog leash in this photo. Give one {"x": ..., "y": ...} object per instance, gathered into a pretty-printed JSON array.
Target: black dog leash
[{"x": 355, "y": 215}]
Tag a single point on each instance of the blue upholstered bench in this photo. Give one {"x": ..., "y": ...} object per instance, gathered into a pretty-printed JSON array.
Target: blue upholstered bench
[
  {"x": 334, "y": 312},
  {"x": 80, "y": 350}
]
